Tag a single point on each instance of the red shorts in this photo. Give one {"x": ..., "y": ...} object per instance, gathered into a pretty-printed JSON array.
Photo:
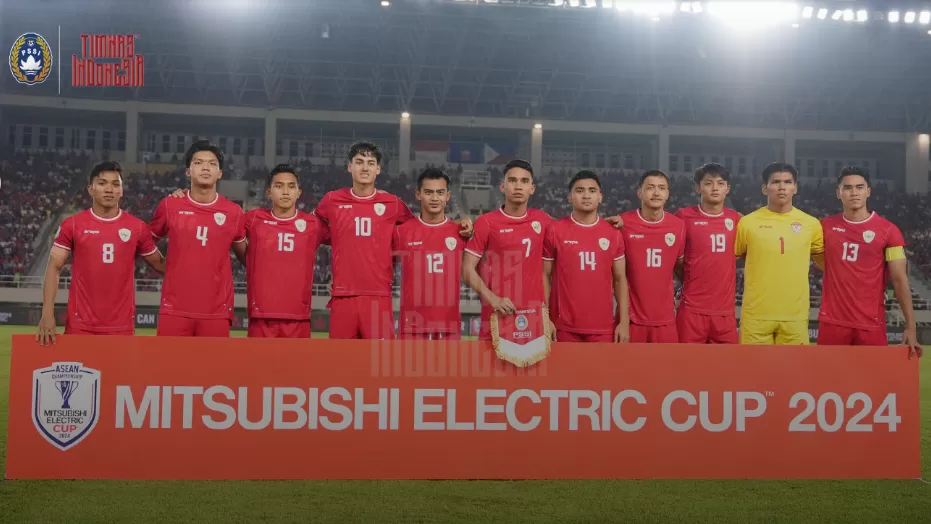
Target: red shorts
[
  {"x": 363, "y": 316},
  {"x": 175, "y": 326},
  {"x": 696, "y": 328},
  {"x": 566, "y": 336},
  {"x": 429, "y": 336},
  {"x": 276, "y": 328},
  {"x": 653, "y": 334},
  {"x": 835, "y": 335},
  {"x": 71, "y": 330}
]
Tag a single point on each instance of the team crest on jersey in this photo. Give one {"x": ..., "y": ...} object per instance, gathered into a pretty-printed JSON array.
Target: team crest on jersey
[
  {"x": 300, "y": 224},
  {"x": 379, "y": 209},
  {"x": 65, "y": 402},
  {"x": 670, "y": 239},
  {"x": 868, "y": 236},
  {"x": 451, "y": 243},
  {"x": 536, "y": 227},
  {"x": 124, "y": 234},
  {"x": 729, "y": 224},
  {"x": 219, "y": 218},
  {"x": 604, "y": 243},
  {"x": 796, "y": 227}
]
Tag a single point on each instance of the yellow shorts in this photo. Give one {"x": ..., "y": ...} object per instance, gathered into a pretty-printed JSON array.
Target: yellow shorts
[{"x": 767, "y": 332}]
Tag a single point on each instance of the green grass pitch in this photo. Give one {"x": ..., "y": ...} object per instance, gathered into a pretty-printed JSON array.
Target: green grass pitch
[{"x": 74, "y": 502}]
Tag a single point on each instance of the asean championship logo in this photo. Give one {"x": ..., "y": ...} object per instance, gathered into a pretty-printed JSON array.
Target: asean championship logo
[
  {"x": 65, "y": 402},
  {"x": 31, "y": 59}
]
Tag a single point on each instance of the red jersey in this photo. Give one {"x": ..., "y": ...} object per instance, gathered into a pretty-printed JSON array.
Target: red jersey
[
  {"x": 855, "y": 270},
  {"x": 361, "y": 229},
  {"x": 102, "y": 295},
  {"x": 710, "y": 274},
  {"x": 280, "y": 263},
  {"x": 511, "y": 252},
  {"x": 198, "y": 274},
  {"x": 431, "y": 268},
  {"x": 652, "y": 249},
  {"x": 582, "y": 293}
]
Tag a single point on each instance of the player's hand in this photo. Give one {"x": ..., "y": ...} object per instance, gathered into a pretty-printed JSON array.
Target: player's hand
[
  {"x": 45, "y": 335},
  {"x": 622, "y": 334},
  {"x": 615, "y": 221},
  {"x": 503, "y": 306},
  {"x": 910, "y": 339},
  {"x": 179, "y": 193},
  {"x": 551, "y": 329},
  {"x": 465, "y": 227}
]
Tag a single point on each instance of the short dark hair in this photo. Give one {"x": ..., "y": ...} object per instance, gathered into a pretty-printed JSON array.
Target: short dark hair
[
  {"x": 204, "y": 145},
  {"x": 779, "y": 167},
  {"x": 584, "y": 174},
  {"x": 365, "y": 149},
  {"x": 518, "y": 163},
  {"x": 107, "y": 165},
  {"x": 712, "y": 169},
  {"x": 281, "y": 168},
  {"x": 652, "y": 172},
  {"x": 854, "y": 170},
  {"x": 432, "y": 173}
]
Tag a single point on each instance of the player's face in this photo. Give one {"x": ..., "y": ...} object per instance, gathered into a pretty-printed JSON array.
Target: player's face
[
  {"x": 713, "y": 189},
  {"x": 204, "y": 169},
  {"x": 364, "y": 168},
  {"x": 106, "y": 189},
  {"x": 433, "y": 195},
  {"x": 585, "y": 195},
  {"x": 853, "y": 192},
  {"x": 780, "y": 189},
  {"x": 517, "y": 185},
  {"x": 654, "y": 192},
  {"x": 284, "y": 191}
]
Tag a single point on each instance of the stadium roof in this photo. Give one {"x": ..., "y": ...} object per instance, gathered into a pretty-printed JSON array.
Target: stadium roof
[{"x": 472, "y": 59}]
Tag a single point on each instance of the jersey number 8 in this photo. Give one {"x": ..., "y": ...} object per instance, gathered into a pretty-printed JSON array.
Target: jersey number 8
[{"x": 108, "y": 253}]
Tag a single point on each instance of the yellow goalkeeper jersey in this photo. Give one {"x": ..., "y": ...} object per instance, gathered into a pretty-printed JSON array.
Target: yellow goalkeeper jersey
[{"x": 778, "y": 248}]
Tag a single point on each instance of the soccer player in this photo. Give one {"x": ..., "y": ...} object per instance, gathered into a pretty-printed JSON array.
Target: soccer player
[
  {"x": 202, "y": 228},
  {"x": 778, "y": 241},
  {"x": 654, "y": 243},
  {"x": 281, "y": 249},
  {"x": 504, "y": 258},
  {"x": 709, "y": 273},
  {"x": 430, "y": 253},
  {"x": 103, "y": 243},
  {"x": 361, "y": 220},
  {"x": 584, "y": 270},
  {"x": 861, "y": 251}
]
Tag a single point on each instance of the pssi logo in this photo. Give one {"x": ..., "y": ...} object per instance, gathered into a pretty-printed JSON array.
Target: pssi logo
[
  {"x": 31, "y": 59},
  {"x": 65, "y": 402}
]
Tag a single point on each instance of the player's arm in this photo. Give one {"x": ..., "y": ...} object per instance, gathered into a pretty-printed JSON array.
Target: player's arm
[
  {"x": 898, "y": 271},
  {"x": 740, "y": 243},
  {"x": 622, "y": 298},
  {"x": 470, "y": 274},
  {"x": 56, "y": 261},
  {"x": 159, "y": 223},
  {"x": 240, "y": 243},
  {"x": 817, "y": 246},
  {"x": 147, "y": 249},
  {"x": 679, "y": 269},
  {"x": 549, "y": 259}
]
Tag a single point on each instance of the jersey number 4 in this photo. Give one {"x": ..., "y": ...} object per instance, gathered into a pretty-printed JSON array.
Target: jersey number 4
[{"x": 202, "y": 235}]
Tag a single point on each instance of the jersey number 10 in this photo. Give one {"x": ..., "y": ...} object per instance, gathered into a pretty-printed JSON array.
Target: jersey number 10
[{"x": 363, "y": 226}]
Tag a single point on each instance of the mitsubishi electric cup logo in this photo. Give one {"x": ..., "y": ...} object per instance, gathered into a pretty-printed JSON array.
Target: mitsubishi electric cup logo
[{"x": 65, "y": 402}]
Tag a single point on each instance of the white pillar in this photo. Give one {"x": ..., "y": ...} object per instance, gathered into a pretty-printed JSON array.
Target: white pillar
[
  {"x": 663, "y": 150},
  {"x": 271, "y": 138},
  {"x": 404, "y": 145},
  {"x": 536, "y": 148},
  {"x": 132, "y": 135},
  {"x": 916, "y": 163},
  {"x": 788, "y": 150}
]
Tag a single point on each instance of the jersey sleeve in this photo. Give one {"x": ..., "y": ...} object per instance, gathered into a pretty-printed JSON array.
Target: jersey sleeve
[
  {"x": 740, "y": 243},
  {"x": 895, "y": 244},
  {"x": 619, "y": 250},
  {"x": 817, "y": 240},
  {"x": 479, "y": 241},
  {"x": 145, "y": 245},
  {"x": 159, "y": 223},
  {"x": 549, "y": 242},
  {"x": 680, "y": 244},
  {"x": 396, "y": 240},
  {"x": 240, "y": 227},
  {"x": 323, "y": 233},
  {"x": 64, "y": 238},
  {"x": 404, "y": 212},
  {"x": 323, "y": 209}
]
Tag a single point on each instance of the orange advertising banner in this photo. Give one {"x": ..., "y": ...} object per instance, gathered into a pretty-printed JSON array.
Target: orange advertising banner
[{"x": 174, "y": 408}]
